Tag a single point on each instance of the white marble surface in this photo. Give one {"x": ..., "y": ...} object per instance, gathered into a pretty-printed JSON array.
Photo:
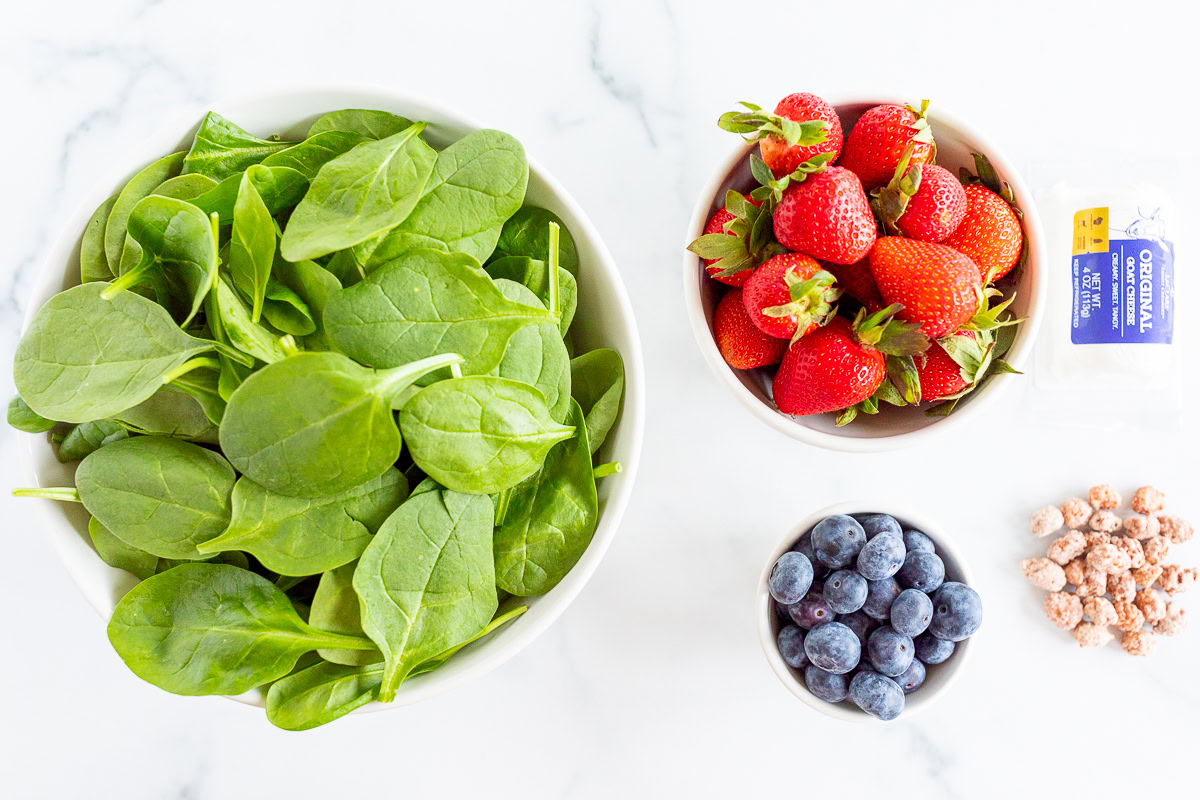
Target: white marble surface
[{"x": 652, "y": 684}]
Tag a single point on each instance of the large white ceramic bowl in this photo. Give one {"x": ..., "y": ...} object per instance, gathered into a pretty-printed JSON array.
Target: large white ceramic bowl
[
  {"x": 893, "y": 427},
  {"x": 605, "y": 318},
  {"x": 938, "y": 677}
]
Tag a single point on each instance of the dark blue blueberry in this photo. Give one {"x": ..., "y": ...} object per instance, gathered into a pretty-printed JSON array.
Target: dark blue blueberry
[
  {"x": 912, "y": 612},
  {"x": 957, "y": 612},
  {"x": 790, "y": 577},
  {"x": 933, "y": 650},
  {"x": 845, "y": 591},
  {"x": 924, "y": 571},
  {"x": 826, "y": 685},
  {"x": 878, "y": 696},
  {"x": 911, "y": 679},
  {"x": 810, "y": 612},
  {"x": 918, "y": 542},
  {"x": 837, "y": 540},
  {"x": 861, "y": 624},
  {"x": 804, "y": 545},
  {"x": 881, "y": 557},
  {"x": 791, "y": 647},
  {"x": 889, "y": 651},
  {"x": 833, "y": 647},
  {"x": 875, "y": 524},
  {"x": 880, "y": 596}
]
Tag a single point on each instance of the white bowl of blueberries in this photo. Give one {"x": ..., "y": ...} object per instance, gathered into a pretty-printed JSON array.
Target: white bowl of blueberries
[{"x": 867, "y": 614}]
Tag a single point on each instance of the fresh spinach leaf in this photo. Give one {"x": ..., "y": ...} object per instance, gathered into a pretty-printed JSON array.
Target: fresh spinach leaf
[
  {"x": 527, "y": 234},
  {"x": 171, "y": 411},
  {"x": 479, "y": 434},
  {"x": 280, "y": 188},
  {"x": 203, "y": 386},
  {"x": 251, "y": 243},
  {"x": 140, "y": 186},
  {"x": 307, "y": 536},
  {"x": 212, "y": 629},
  {"x": 314, "y": 285},
  {"x": 598, "y": 384},
  {"x": 532, "y": 274},
  {"x": 537, "y": 356},
  {"x": 115, "y": 553},
  {"x": 244, "y": 333},
  {"x": 339, "y": 435},
  {"x": 88, "y": 437},
  {"x": 477, "y": 183},
  {"x": 23, "y": 418},
  {"x": 85, "y": 357},
  {"x": 506, "y": 613},
  {"x": 360, "y": 194},
  {"x": 335, "y": 608},
  {"x": 221, "y": 149},
  {"x": 184, "y": 187},
  {"x": 426, "y": 582},
  {"x": 159, "y": 494},
  {"x": 427, "y": 302},
  {"x": 345, "y": 268},
  {"x": 309, "y": 156},
  {"x": 366, "y": 122},
  {"x": 286, "y": 310},
  {"x": 93, "y": 264},
  {"x": 550, "y": 518}
]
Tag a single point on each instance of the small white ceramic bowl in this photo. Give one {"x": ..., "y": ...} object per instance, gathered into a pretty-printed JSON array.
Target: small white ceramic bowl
[
  {"x": 892, "y": 428},
  {"x": 938, "y": 676},
  {"x": 605, "y": 318}
]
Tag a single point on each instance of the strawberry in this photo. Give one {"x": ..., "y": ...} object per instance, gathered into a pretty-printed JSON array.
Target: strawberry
[
  {"x": 732, "y": 261},
  {"x": 922, "y": 202},
  {"x": 789, "y": 296},
  {"x": 990, "y": 233},
  {"x": 939, "y": 287},
  {"x": 879, "y": 139},
  {"x": 802, "y": 126},
  {"x": 826, "y": 216},
  {"x": 940, "y": 375},
  {"x": 842, "y": 364},
  {"x": 742, "y": 345},
  {"x": 954, "y": 366},
  {"x": 857, "y": 281}
]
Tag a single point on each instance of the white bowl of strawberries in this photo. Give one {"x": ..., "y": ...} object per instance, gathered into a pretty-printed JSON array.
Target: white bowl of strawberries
[{"x": 857, "y": 271}]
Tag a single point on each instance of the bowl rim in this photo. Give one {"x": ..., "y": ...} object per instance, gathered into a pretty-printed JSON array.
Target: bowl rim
[
  {"x": 131, "y": 158},
  {"x": 763, "y": 610},
  {"x": 1018, "y": 355}
]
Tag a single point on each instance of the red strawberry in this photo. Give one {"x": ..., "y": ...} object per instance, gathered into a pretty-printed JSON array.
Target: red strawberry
[
  {"x": 827, "y": 217},
  {"x": 841, "y": 364},
  {"x": 789, "y": 296},
  {"x": 938, "y": 286},
  {"x": 990, "y": 233},
  {"x": 940, "y": 375},
  {"x": 878, "y": 141},
  {"x": 937, "y": 208},
  {"x": 732, "y": 261},
  {"x": 955, "y": 366},
  {"x": 802, "y": 126},
  {"x": 742, "y": 345},
  {"x": 857, "y": 281}
]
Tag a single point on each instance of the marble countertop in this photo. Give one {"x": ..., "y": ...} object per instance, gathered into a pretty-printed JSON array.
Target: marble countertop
[{"x": 652, "y": 683}]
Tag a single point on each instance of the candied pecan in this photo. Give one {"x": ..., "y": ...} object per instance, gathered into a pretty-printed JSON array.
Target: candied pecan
[
  {"x": 1138, "y": 643},
  {"x": 1151, "y": 604},
  {"x": 1122, "y": 587},
  {"x": 1174, "y": 622},
  {"x": 1063, "y": 609},
  {"x": 1156, "y": 549},
  {"x": 1046, "y": 521},
  {"x": 1066, "y": 547},
  {"x": 1044, "y": 573},
  {"x": 1100, "y": 611},
  {"x": 1104, "y": 496},
  {"x": 1075, "y": 570},
  {"x": 1147, "y": 500},
  {"x": 1129, "y": 617},
  {"x": 1132, "y": 548},
  {"x": 1091, "y": 635},
  {"x": 1108, "y": 558},
  {"x": 1096, "y": 538},
  {"x": 1076, "y": 512},
  {"x": 1147, "y": 574},
  {"x": 1094, "y": 583},
  {"x": 1177, "y": 529},
  {"x": 1141, "y": 527},
  {"x": 1175, "y": 579},
  {"x": 1105, "y": 521}
]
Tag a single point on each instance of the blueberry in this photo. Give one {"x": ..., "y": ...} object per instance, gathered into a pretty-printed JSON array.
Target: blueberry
[
  {"x": 791, "y": 647},
  {"x": 881, "y": 557},
  {"x": 790, "y": 577},
  {"x": 845, "y": 591},
  {"x": 837, "y": 540},
  {"x": 957, "y": 612},
  {"x": 880, "y": 596},
  {"x": 810, "y": 612},
  {"x": 875, "y": 524},
  {"x": 911, "y": 679},
  {"x": 924, "y": 571},
  {"x": 833, "y": 647},
  {"x": 916, "y": 541},
  {"x": 911, "y": 612},
  {"x": 933, "y": 650},
  {"x": 861, "y": 624},
  {"x": 781, "y": 609},
  {"x": 804, "y": 545},
  {"x": 889, "y": 651},
  {"x": 878, "y": 696},
  {"x": 826, "y": 685}
]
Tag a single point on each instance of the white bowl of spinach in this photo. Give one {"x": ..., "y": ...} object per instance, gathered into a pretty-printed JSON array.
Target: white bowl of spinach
[{"x": 345, "y": 414}]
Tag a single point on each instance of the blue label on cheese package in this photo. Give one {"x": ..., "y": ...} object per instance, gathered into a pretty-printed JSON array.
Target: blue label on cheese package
[{"x": 1123, "y": 277}]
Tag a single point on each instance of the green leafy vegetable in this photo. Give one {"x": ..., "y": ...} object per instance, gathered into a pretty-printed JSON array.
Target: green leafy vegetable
[
  {"x": 140, "y": 186},
  {"x": 88, "y": 437},
  {"x": 252, "y": 243},
  {"x": 242, "y": 331},
  {"x": 335, "y": 608},
  {"x": 598, "y": 384},
  {"x": 280, "y": 188},
  {"x": 171, "y": 411},
  {"x": 366, "y": 122},
  {"x": 93, "y": 263},
  {"x": 286, "y": 310},
  {"x": 532, "y": 274},
  {"x": 525, "y": 234},
  {"x": 309, "y": 156},
  {"x": 537, "y": 356},
  {"x": 221, "y": 149},
  {"x": 23, "y": 418},
  {"x": 115, "y": 553}
]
